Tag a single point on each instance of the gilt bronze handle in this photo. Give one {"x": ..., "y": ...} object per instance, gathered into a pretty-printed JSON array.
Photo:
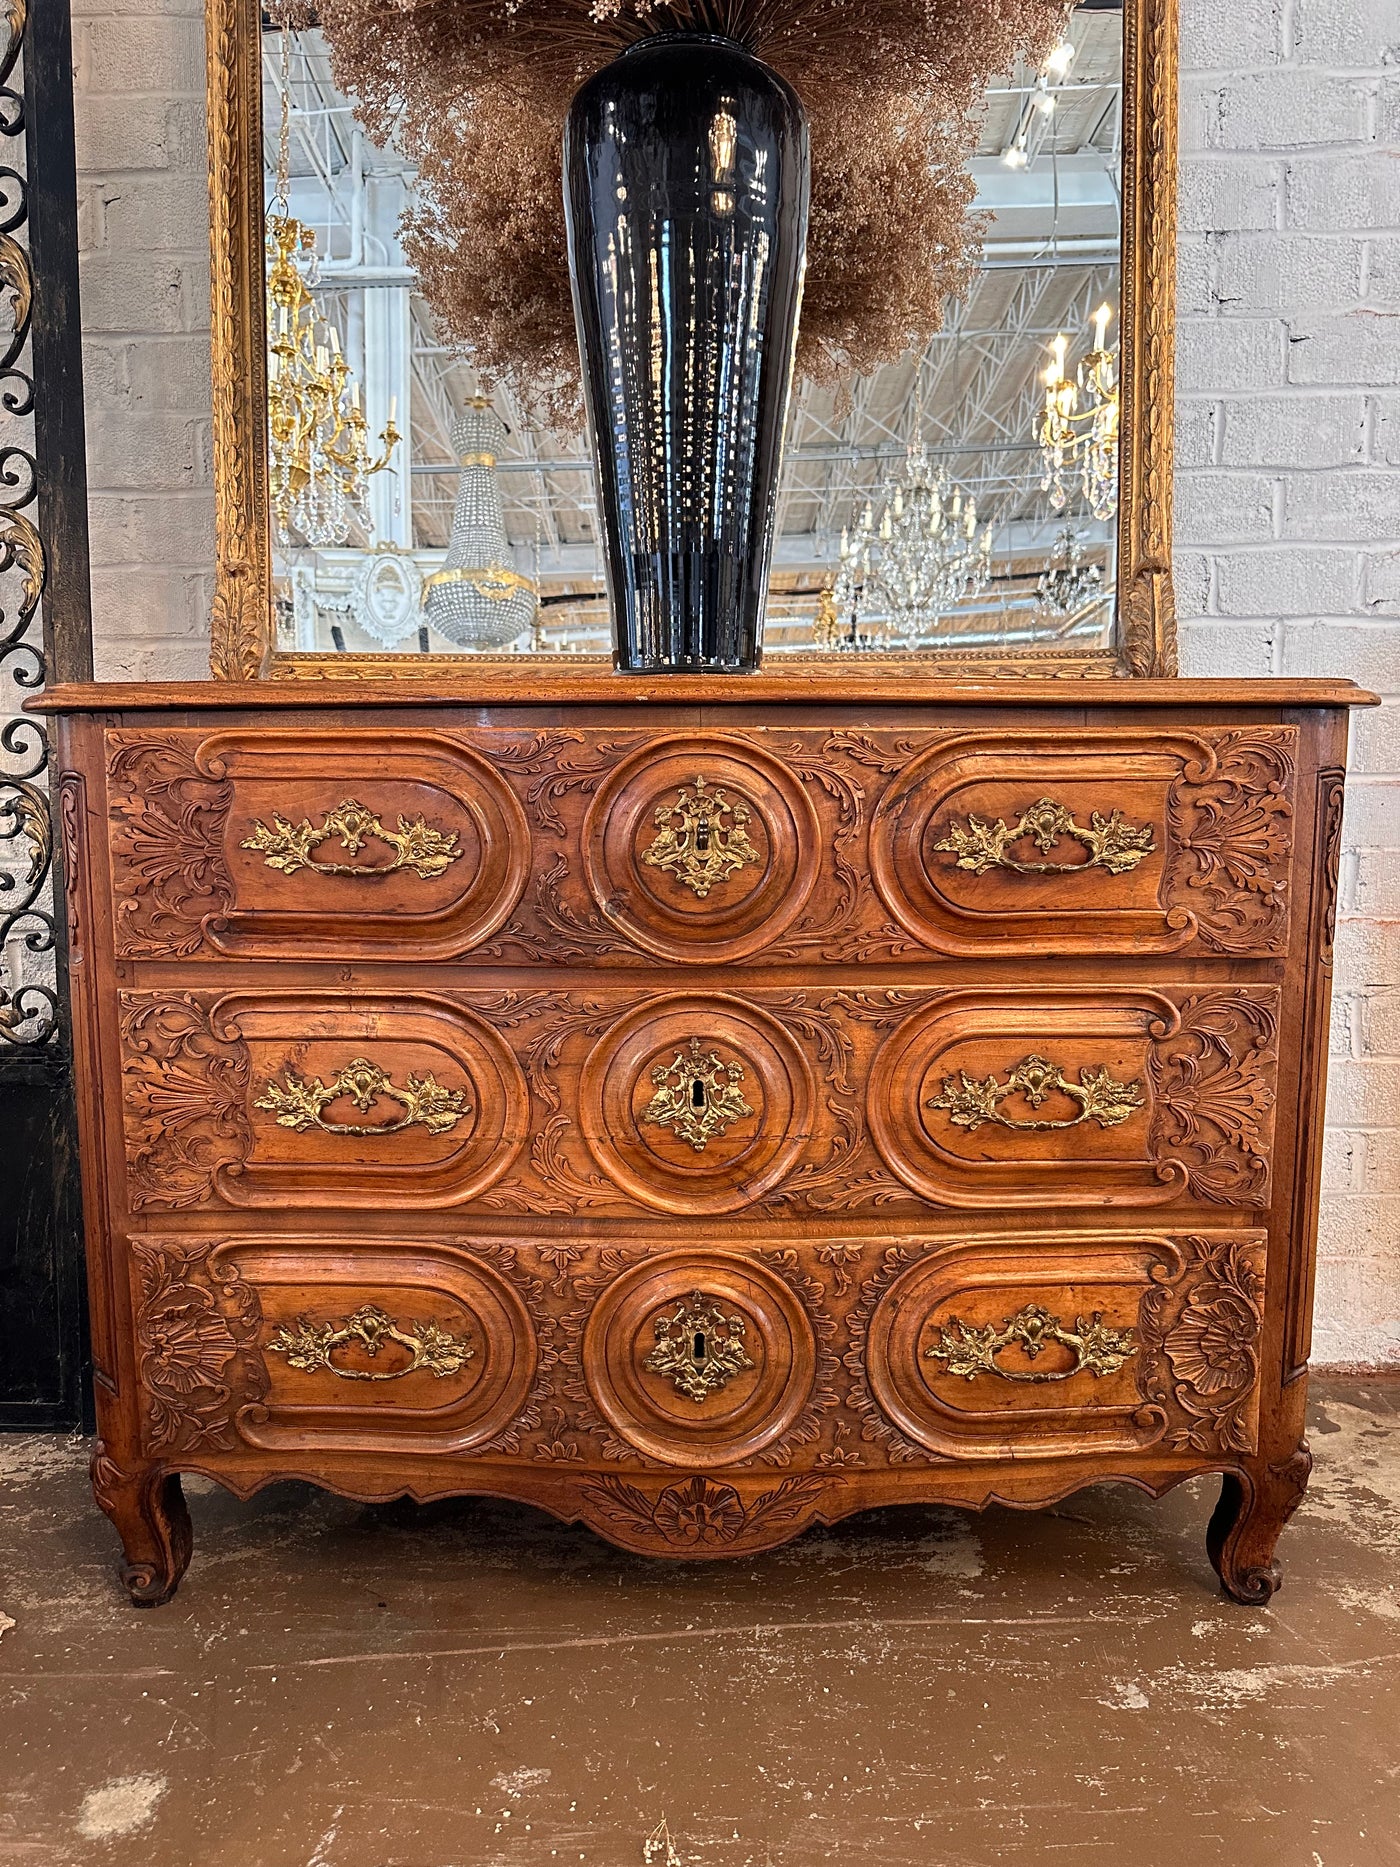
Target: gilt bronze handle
[
  {"x": 970, "y": 1101},
  {"x": 969, "y": 1351},
  {"x": 300, "y": 1102},
  {"x": 1111, "y": 842},
  {"x": 310, "y": 1345},
  {"x": 415, "y": 845}
]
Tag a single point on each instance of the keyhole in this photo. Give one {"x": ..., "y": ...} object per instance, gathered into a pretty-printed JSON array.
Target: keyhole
[
  {"x": 702, "y": 837},
  {"x": 701, "y": 1347},
  {"x": 697, "y": 1093}
]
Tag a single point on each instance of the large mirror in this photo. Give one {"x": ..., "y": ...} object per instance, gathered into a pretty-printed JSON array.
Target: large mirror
[{"x": 999, "y": 502}]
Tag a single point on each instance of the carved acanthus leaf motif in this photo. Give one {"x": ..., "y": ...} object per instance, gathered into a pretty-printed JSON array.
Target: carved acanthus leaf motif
[
  {"x": 876, "y": 1429},
  {"x": 1200, "y": 1343},
  {"x": 1213, "y": 1093},
  {"x": 186, "y": 1099},
  {"x": 196, "y": 1335},
  {"x": 1230, "y": 817},
  {"x": 699, "y": 1511},
  {"x": 168, "y": 847}
]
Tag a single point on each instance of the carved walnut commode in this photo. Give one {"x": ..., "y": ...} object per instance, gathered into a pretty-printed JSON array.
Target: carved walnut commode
[{"x": 703, "y": 1118}]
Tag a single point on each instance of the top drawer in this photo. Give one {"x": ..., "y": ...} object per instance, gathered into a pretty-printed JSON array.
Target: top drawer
[{"x": 769, "y": 846}]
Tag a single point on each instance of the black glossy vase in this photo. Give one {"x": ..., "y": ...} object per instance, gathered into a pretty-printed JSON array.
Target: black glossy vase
[{"x": 686, "y": 173}]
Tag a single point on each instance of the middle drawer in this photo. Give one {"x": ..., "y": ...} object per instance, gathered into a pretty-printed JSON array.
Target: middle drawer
[{"x": 696, "y": 1103}]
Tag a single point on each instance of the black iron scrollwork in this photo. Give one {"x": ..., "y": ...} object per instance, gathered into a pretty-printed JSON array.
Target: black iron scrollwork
[{"x": 28, "y": 1008}]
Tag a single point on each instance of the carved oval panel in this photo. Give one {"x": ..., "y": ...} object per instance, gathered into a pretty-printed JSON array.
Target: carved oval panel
[
  {"x": 1108, "y": 841},
  {"x": 699, "y": 1358},
  {"x": 1060, "y": 1098},
  {"x": 1030, "y": 1346},
  {"x": 701, "y": 848},
  {"x": 696, "y": 1103},
  {"x": 286, "y": 1099},
  {"x": 1026, "y": 1348},
  {"x": 279, "y": 843},
  {"x": 403, "y": 1345}
]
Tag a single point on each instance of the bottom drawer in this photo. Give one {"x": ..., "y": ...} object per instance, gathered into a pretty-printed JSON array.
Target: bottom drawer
[
  {"x": 1048, "y": 1346},
  {"x": 815, "y": 1354},
  {"x": 288, "y": 1344}
]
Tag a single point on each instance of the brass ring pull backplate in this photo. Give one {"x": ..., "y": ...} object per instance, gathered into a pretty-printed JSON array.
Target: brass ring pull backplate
[
  {"x": 1111, "y": 842},
  {"x": 968, "y": 1351},
  {"x": 309, "y": 1345},
  {"x": 416, "y": 845}
]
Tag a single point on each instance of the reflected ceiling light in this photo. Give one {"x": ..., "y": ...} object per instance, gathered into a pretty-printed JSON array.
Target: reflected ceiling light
[
  {"x": 1078, "y": 425},
  {"x": 478, "y": 600},
  {"x": 319, "y": 464},
  {"x": 899, "y": 577}
]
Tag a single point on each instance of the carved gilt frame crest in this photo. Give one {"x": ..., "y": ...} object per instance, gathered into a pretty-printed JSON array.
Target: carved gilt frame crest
[{"x": 243, "y": 636}]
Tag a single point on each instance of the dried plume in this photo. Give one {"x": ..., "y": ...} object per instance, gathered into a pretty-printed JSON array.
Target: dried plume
[{"x": 477, "y": 91}]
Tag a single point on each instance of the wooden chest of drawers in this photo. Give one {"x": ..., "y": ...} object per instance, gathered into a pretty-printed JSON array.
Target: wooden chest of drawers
[{"x": 706, "y": 1117}]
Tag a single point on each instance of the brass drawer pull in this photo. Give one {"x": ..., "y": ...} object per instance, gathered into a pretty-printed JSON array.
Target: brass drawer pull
[
  {"x": 699, "y": 1347},
  {"x": 309, "y": 1345},
  {"x": 416, "y": 845},
  {"x": 970, "y": 1100},
  {"x": 425, "y": 1103},
  {"x": 694, "y": 842},
  {"x": 1112, "y": 843},
  {"x": 969, "y": 1351}
]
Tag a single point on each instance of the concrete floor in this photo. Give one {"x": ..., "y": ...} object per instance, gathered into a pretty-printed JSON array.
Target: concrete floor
[{"x": 471, "y": 1685}]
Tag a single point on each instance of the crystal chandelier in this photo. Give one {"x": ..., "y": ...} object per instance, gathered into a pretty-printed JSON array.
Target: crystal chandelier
[
  {"x": 476, "y": 600},
  {"x": 1079, "y": 424},
  {"x": 1068, "y": 587},
  {"x": 319, "y": 464},
  {"x": 899, "y": 577}
]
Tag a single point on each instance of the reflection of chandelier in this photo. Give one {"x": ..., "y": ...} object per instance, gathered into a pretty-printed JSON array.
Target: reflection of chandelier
[
  {"x": 1068, "y": 587},
  {"x": 899, "y": 577},
  {"x": 319, "y": 464},
  {"x": 476, "y": 600},
  {"x": 1087, "y": 436}
]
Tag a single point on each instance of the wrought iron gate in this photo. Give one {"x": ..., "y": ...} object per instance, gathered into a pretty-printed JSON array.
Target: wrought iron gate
[{"x": 45, "y": 634}]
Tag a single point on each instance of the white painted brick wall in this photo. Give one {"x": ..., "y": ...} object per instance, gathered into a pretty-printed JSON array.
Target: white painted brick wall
[
  {"x": 1288, "y": 504},
  {"x": 1288, "y": 500}
]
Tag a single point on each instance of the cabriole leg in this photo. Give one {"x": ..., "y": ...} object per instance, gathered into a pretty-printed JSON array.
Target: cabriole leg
[
  {"x": 1254, "y": 1506},
  {"x": 148, "y": 1508}
]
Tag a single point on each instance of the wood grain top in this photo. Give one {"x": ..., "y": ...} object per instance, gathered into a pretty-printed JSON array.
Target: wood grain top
[{"x": 499, "y": 686}]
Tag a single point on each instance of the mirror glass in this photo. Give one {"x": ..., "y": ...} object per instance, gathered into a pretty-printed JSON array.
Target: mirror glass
[{"x": 965, "y": 499}]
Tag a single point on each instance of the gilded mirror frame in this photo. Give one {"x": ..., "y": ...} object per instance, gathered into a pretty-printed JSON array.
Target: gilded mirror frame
[{"x": 243, "y": 635}]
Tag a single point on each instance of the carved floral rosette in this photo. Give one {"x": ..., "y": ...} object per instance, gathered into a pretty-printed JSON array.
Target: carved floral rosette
[
  {"x": 1230, "y": 823},
  {"x": 1200, "y": 1336},
  {"x": 169, "y": 815},
  {"x": 196, "y": 1334},
  {"x": 700, "y": 1515},
  {"x": 185, "y": 1101}
]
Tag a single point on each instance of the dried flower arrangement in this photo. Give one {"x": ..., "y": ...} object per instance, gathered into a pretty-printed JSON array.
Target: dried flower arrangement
[{"x": 478, "y": 91}]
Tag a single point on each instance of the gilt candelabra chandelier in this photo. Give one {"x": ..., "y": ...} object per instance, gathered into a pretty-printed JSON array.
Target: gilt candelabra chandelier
[
  {"x": 319, "y": 464},
  {"x": 899, "y": 576},
  {"x": 1078, "y": 429}
]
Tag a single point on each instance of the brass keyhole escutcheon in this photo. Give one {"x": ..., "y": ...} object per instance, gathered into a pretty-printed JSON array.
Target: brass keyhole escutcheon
[
  {"x": 698, "y": 1347},
  {"x": 697, "y": 1095}
]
